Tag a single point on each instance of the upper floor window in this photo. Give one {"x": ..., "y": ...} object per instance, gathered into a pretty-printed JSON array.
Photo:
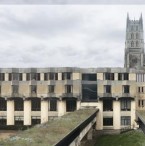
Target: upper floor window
[
  {"x": 2, "y": 76},
  {"x": 109, "y": 76},
  {"x": 35, "y": 104},
  {"x": 132, "y": 44},
  {"x": 51, "y": 88},
  {"x": 15, "y": 89},
  {"x": 107, "y": 89},
  {"x": 89, "y": 77},
  {"x": 125, "y": 120},
  {"x": 137, "y": 36},
  {"x": 53, "y": 76},
  {"x": 125, "y": 105},
  {"x": 53, "y": 104},
  {"x": 33, "y": 89},
  {"x": 132, "y": 36},
  {"x": 123, "y": 76},
  {"x": 137, "y": 44},
  {"x": 125, "y": 88},
  {"x": 68, "y": 88},
  {"x": 66, "y": 76},
  {"x": 140, "y": 77}
]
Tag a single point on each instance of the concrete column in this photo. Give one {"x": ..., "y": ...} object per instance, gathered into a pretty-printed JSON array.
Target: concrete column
[
  {"x": 6, "y": 76},
  {"x": 10, "y": 112},
  {"x": 115, "y": 76},
  {"x": 99, "y": 76},
  {"x": 133, "y": 115},
  {"x": 44, "y": 111},
  {"x": 42, "y": 76},
  {"x": 99, "y": 122},
  {"x": 27, "y": 112},
  {"x": 78, "y": 104},
  {"x": 59, "y": 76},
  {"x": 24, "y": 76},
  {"x": 61, "y": 107},
  {"x": 116, "y": 114}
]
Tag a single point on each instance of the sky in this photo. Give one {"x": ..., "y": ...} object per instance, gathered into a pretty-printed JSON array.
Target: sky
[{"x": 64, "y": 35}]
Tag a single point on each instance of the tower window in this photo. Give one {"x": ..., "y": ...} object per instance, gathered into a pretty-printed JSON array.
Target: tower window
[
  {"x": 132, "y": 36},
  {"x": 137, "y": 36},
  {"x": 132, "y": 44},
  {"x": 137, "y": 44}
]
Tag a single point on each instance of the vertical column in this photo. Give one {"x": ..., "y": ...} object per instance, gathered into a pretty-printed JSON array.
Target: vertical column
[
  {"x": 133, "y": 116},
  {"x": 61, "y": 107},
  {"x": 10, "y": 112},
  {"x": 99, "y": 122},
  {"x": 6, "y": 76},
  {"x": 27, "y": 112},
  {"x": 24, "y": 76},
  {"x": 42, "y": 76},
  {"x": 44, "y": 111},
  {"x": 78, "y": 104},
  {"x": 115, "y": 76},
  {"x": 59, "y": 76},
  {"x": 116, "y": 114}
]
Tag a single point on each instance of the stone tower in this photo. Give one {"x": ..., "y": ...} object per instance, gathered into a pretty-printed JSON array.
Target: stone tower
[{"x": 134, "y": 44}]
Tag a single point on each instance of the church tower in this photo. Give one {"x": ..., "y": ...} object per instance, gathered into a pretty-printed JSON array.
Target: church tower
[{"x": 134, "y": 44}]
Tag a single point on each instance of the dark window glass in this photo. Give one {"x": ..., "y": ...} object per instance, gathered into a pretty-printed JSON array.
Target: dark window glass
[
  {"x": 107, "y": 88},
  {"x": 53, "y": 105},
  {"x": 20, "y": 76},
  {"x": 107, "y": 105},
  {"x": 3, "y": 121},
  {"x": 19, "y": 121},
  {"x": 68, "y": 89},
  {"x": 38, "y": 76},
  {"x": 126, "y": 88},
  {"x": 19, "y": 104},
  {"x": 125, "y": 120},
  {"x": 89, "y": 77},
  {"x": 53, "y": 76},
  {"x": 33, "y": 89},
  {"x": 89, "y": 92},
  {"x": 108, "y": 121},
  {"x": 125, "y": 104},
  {"x": 51, "y": 88},
  {"x": 45, "y": 76},
  {"x": 10, "y": 76},
  {"x": 15, "y": 76},
  {"x": 3, "y": 104},
  {"x": 109, "y": 76},
  {"x": 35, "y": 104},
  {"x": 28, "y": 76},
  {"x": 35, "y": 120},
  {"x": 66, "y": 76},
  {"x": 70, "y": 105},
  {"x": 33, "y": 76},
  {"x": 2, "y": 76},
  {"x": 126, "y": 76}
]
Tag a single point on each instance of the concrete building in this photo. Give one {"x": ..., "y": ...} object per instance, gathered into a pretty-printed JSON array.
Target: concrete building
[{"x": 34, "y": 95}]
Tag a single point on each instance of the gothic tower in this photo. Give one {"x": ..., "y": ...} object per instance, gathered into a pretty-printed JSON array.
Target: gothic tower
[{"x": 134, "y": 44}]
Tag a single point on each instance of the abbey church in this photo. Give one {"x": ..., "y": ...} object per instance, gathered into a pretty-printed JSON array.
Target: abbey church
[{"x": 30, "y": 96}]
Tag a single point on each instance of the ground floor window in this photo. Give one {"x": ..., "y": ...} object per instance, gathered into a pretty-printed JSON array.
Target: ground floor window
[
  {"x": 19, "y": 104},
  {"x": 125, "y": 120},
  {"x": 3, "y": 121},
  {"x": 3, "y": 104},
  {"x": 108, "y": 121},
  {"x": 70, "y": 105},
  {"x": 125, "y": 104},
  {"x": 53, "y": 104},
  {"x": 35, "y": 104},
  {"x": 19, "y": 121},
  {"x": 35, "y": 120}
]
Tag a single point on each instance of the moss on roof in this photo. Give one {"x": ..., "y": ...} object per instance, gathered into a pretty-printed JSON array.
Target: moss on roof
[{"x": 49, "y": 133}]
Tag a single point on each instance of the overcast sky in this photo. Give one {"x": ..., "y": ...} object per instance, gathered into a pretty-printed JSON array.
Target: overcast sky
[{"x": 64, "y": 35}]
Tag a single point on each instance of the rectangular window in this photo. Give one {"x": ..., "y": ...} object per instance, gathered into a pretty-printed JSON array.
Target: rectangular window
[
  {"x": 15, "y": 76},
  {"x": 3, "y": 104},
  {"x": 125, "y": 104},
  {"x": 19, "y": 104},
  {"x": 10, "y": 76},
  {"x": 28, "y": 76},
  {"x": 53, "y": 76},
  {"x": 109, "y": 76},
  {"x": 2, "y": 76},
  {"x": 125, "y": 88},
  {"x": 107, "y": 105},
  {"x": 45, "y": 76},
  {"x": 35, "y": 104},
  {"x": 125, "y": 120},
  {"x": 66, "y": 76},
  {"x": 33, "y": 76},
  {"x": 20, "y": 76},
  {"x": 123, "y": 76},
  {"x": 68, "y": 88},
  {"x": 53, "y": 105},
  {"x": 107, "y": 88},
  {"x": 89, "y": 77},
  {"x": 3, "y": 121},
  {"x": 15, "y": 89},
  {"x": 33, "y": 89},
  {"x": 70, "y": 105},
  {"x": 51, "y": 88},
  {"x": 108, "y": 121}
]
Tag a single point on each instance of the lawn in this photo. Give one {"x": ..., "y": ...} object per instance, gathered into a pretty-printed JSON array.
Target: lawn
[{"x": 131, "y": 138}]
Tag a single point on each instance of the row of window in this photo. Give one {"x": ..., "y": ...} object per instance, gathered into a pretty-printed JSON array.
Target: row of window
[
  {"x": 36, "y": 105},
  {"x": 107, "y": 89},
  {"x": 140, "y": 77},
  {"x": 141, "y": 103},
  {"x": 134, "y": 35},
  {"x": 65, "y": 76},
  {"x": 125, "y": 121},
  {"x": 134, "y": 44},
  {"x": 125, "y": 105}
]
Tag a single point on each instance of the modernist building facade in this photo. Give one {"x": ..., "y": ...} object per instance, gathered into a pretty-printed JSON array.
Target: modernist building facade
[{"x": 35, "y": 95}]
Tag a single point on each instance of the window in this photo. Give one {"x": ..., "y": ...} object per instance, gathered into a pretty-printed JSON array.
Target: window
[
  {"x": 51, "y": 88},
  {"x": 2, "y": 76},
  {"x": 132, "y": 44},
  {"x": 123, "y": 76},
  {"x": 33, "y": 89},
  {"x": 137, "y": 44},
  {"x": 35, "y": 120},
  {"x": 66, "y": 76},
  {"x": 132, "y": 36},
  {"x": 10, "y": 76},
  {"x": 35, "y": 104},
  {"x": 70, "y": 105},
  {"x": 140, "y": 89},
  {"x": 107, "y": 105},
  {"x": 125, "y": 88},
  {"x": 125, "y": 120},
  {"x": 140, "y": 77},
  {"x": 53, "y": 105},
  {"x": 109, "y": 76},
  {"x": 35, "y": 76},
  {"x": 89, "y": 92},
  {"x": 137, "y": 36},
  {"x": 28, "y": 76},
  {"x": 3, "y": 121},
  {"x": 15, "y": 89},
  {"x": 107, "y": 89},
  {"x": 20, "y": 76},
  {"x": 3, "y": 104},
  {"x": 141, "y": 103},
  {"x": 125, "y": 104},
  {"x": 53, "y": 76},
  {"x": 89, "y": 77},
  {"x": 19, "y": 120},
  {"x": 15, "y": 76},
  {"x": 136, "y": 28},
  {"x": 108, "y": 121},
  {"x": 19, "y": 104},
  {"x": 68, "y": 88},
  {"x": 45, "y": 76}
]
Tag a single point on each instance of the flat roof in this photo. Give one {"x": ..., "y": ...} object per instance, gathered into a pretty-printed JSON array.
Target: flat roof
[{"x": 51, "y": 132}]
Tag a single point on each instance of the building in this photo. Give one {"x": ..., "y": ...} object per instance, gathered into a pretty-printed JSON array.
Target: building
[{"x": 34, "y": 95}]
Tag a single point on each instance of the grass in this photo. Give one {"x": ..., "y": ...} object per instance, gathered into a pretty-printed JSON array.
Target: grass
[
  {"x": 49, "y": 133},
  {"x": 131, "y": 138}
]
